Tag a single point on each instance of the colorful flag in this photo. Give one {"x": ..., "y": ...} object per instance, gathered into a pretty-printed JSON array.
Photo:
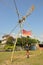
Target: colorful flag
[{"x": 26, "y": 33}]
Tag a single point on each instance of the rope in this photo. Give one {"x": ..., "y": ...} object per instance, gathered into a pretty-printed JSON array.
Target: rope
[
  {"x": 16, "y": 9},
  {"x": 13, "y": 29}
]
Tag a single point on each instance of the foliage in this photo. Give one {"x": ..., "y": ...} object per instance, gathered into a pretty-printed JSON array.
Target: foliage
[
  {"x": 0, "y": 41},
  {"x": 26, "y": 40},
  {"x": 38, "y": 41},
  {"x": 8, "y": 48},
  {"x": 10, "y": 41},
  {"x": 20, "y": 42}
]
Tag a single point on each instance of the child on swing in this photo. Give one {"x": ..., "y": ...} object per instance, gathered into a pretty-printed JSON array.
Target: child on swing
[{"x": 27, "y": 50}]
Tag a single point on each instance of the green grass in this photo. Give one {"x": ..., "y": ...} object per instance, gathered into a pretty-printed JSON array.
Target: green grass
[{"x": 19, "y": 58}]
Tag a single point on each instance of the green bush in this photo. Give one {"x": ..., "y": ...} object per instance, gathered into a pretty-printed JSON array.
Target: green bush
[{"x": 8, "y": 48}]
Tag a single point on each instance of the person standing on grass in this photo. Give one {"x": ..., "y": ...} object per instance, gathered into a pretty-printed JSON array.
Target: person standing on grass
[{"x": 27, "y": 50}]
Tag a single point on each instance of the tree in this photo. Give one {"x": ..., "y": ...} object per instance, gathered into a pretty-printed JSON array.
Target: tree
[
  {"x": 9, "y": 42},
  {"x": 19, "y": 42},
  {"x": 0, "y": 41},
  {"x": 9, "y": 39}
]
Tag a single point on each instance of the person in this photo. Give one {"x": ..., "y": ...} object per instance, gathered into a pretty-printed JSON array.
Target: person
[{"x": 27, "y": 50}]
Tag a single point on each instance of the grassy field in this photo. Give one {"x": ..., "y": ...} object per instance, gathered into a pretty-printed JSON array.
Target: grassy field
[{"x": 19, "y": 58}]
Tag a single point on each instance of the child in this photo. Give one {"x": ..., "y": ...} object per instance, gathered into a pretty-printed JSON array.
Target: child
[{"x": 27, "y": 50}]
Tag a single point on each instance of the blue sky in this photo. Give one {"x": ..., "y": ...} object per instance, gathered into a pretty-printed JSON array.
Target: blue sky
[{"x": 9, "y": 19}]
